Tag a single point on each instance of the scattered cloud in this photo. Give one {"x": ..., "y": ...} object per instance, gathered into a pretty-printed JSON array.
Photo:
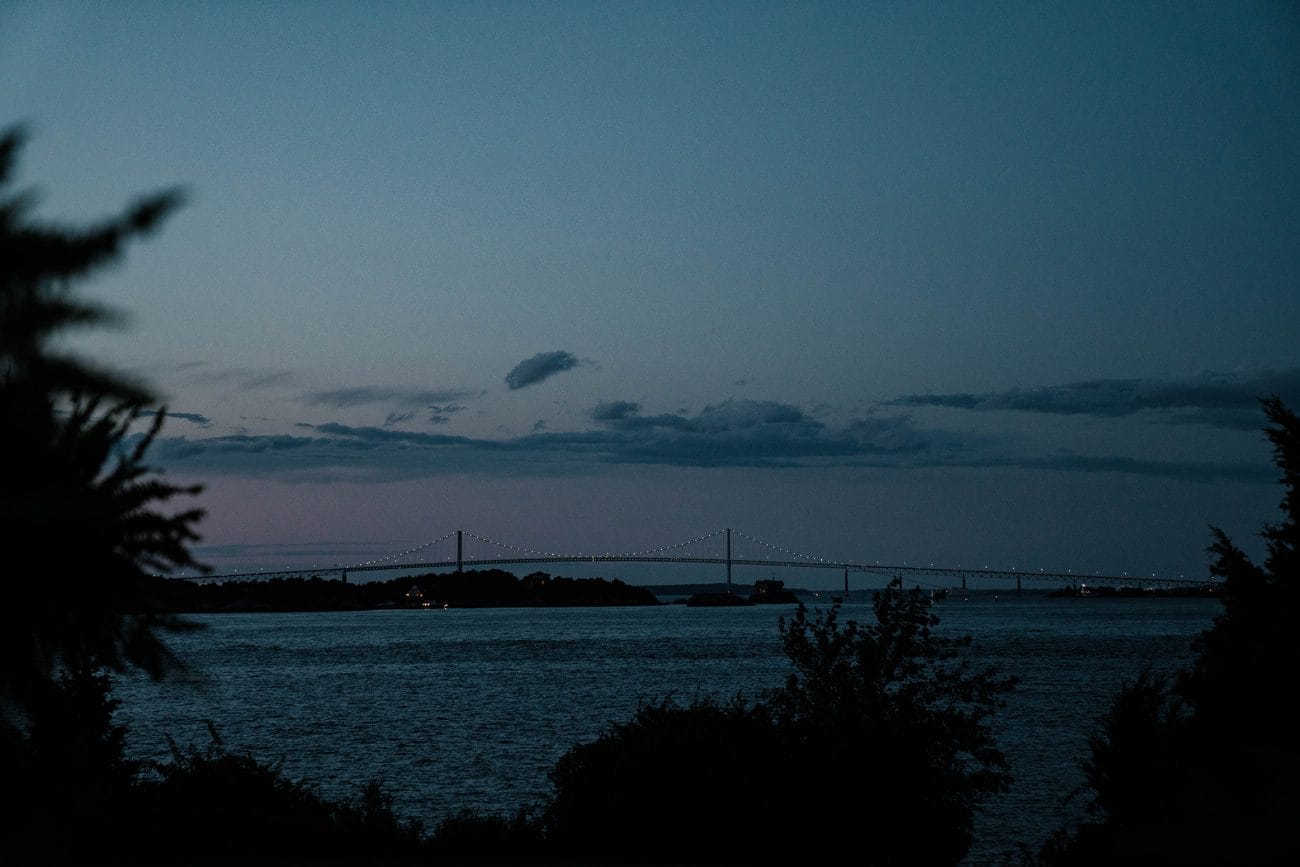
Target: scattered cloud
[
  {"x": 541, "y": 366},
  {"x": 398, "y": 417}
]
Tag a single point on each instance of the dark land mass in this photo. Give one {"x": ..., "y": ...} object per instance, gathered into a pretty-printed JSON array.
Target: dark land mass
[
  {"x": 491, "y": 588},
  {"x": 770, "y": 591},
  {"x": 743, "y": 590}
]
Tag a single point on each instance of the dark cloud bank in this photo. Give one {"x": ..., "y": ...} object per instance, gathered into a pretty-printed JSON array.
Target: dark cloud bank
[
  {"x": 737, "y": 433},
  {"x": 1218, "y": 400}
]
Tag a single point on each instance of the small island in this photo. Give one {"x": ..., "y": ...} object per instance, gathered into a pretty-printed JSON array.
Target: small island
[
  {"x": 490, "y": 588},
  {"x": 765, "y": 592}
]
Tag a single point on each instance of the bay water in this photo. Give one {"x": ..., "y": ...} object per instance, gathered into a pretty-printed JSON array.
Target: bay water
[{"x": 455, "y": 709}]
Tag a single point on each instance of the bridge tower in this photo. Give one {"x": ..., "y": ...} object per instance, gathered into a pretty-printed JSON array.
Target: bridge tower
[
  {"x": 460, "y": 558},
  {"x": 728, "y": 561}
]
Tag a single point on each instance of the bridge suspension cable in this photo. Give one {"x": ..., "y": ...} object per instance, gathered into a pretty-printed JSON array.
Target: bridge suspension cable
[
  {"x": 666, "y": 548},
  {"x": 400, "y": 554},
  {"x": 522, "y": 550},
  {"x": 786, "y": 551}
]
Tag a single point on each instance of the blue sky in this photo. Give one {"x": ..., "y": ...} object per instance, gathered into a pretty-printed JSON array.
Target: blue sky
[{"x": 922, "y": 282}]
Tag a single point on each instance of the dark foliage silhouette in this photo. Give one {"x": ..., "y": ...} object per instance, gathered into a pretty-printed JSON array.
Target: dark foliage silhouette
[
  {"x": 880, "y": 726},
  {"x": 74, "y": 485},
  {"x": 677, "y": 784},
  {"x": 65, "y": 772},
  {"x": 74, "y": 489},
  {"x": 1203, "y": 769},
  {"x": 470, "y": 836},
  {"x": 903, "y": 706},
  {"x": 247, "y": 810}
]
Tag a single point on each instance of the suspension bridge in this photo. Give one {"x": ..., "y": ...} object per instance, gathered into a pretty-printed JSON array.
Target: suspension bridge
[{"x": 726, "y": 547}]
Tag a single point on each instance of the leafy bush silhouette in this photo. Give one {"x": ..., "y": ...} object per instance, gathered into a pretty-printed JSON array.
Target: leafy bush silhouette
[
  {"x": 473, "y": 836},
  {"x": 245, "y": 809},
  {"x": 882, "y": 726},
  {"x": 65, "y": 772},
  {"x": 1203, "y": 769},
  {"x": 675, "y": 783}
]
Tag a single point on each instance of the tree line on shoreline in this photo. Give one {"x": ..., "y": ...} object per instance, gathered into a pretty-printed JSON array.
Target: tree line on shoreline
[
  {"x": 1198, "y": 768},
  {"x": 474, "y": 588}
]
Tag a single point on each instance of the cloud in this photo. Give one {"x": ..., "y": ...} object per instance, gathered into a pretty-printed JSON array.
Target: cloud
[
  {"x": 733, "y": 433},
  {"x": 438, "y": 414},
  {"x": 1218, "y": 400},
  {"x": 343, "y": 398},
  {"x": 731, "y": 416},
  {"x": 193, "y": 417},
  {"x": 441, "y": 414},
  {"x": 615, "y": 410},
  {"x": 533, "y": 370}
]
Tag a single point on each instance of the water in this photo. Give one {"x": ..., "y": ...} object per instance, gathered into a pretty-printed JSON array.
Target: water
[{"x": 470, "y": 708}]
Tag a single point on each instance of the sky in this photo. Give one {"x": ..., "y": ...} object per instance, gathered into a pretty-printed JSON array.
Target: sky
[{"x": 926, "y": 283}]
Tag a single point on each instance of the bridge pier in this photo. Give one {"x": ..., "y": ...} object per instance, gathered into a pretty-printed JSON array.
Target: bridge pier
[{"x": 846, "y": 583}]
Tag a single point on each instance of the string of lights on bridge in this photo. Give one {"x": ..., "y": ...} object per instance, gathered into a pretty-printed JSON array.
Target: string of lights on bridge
[
  {"x": 786, "y": 551},
  {"x": 399, "y": 555},
  {"x": 770, "y": 554}
]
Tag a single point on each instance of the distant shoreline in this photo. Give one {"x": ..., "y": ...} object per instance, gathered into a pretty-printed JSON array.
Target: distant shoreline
[
  {"x": 491, "y": 588},
  {"x": 494, "y": 588}
]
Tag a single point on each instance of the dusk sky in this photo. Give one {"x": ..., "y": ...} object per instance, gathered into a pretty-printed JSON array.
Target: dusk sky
[{"x": 951, "y": 283}]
